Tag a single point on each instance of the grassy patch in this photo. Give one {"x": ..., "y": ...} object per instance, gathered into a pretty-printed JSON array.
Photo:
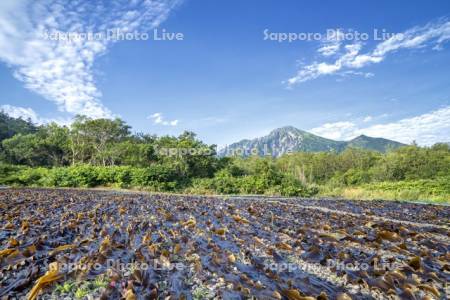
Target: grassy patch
[
  {"x": 426, "y": 190},
  {"x": 65, "y": 288},
  {"x": 79, "y": 290}
]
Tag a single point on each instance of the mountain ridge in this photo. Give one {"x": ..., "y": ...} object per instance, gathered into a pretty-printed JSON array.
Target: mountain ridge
[{"x": 290, "y": 139}]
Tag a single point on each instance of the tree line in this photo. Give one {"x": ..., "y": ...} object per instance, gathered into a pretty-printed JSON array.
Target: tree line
[{"x": 92, "y": 152}]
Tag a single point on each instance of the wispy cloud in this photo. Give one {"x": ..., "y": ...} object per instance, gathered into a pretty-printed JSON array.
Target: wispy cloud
[
  {"x": 332, "y": 43},
  {"x": 433, "y": 34},
  {"x": 27, "y": 113},
  {"x": 337, "y": 131},
  {"x": 327, "y": 50},
  {"x": 62, "y": 71},
  {"x": 158, "y": 119},
  {"x": 425, "y": 129},
  {"x": 367, "y": 119}
]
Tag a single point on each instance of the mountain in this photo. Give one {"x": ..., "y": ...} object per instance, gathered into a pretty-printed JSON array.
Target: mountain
[
  {"x": 376, "y": 144},
  {"x": 290, "y": 139}
]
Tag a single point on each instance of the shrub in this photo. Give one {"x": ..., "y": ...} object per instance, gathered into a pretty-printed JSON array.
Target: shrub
[
  {"x": 356, "y": 177},
  {"x": 32, "y": 176},
  {"x": 60, "y": 177},
  {"x": 225, "y": 183},
  {"x": 9, "y": 174},
  {"x": 252, "y": 184}
]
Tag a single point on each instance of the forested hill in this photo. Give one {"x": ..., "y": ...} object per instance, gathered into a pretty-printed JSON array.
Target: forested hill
[
  {"x": 10, "y": 126},
  {"x": 290, "y": 139}
]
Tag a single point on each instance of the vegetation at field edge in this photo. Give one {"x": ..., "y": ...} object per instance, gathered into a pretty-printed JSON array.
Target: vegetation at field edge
[{"x": 103, "y": 152}]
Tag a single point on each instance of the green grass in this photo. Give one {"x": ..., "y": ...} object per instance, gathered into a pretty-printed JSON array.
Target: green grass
[
  {"x": 81, "y": 292},
  {"x": 65, "y": 287},
  {"x": 81, "y": 289},
  {"x": 426, "y": 190},
  {"x": 157, "y": 179}
]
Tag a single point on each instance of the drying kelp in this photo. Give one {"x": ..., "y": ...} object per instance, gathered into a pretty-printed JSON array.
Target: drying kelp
[{"x": 90, "y": 244}]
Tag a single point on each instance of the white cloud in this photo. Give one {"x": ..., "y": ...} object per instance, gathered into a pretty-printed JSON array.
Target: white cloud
[
  {"x": 316, "y": 69},
  {"x": 432, "y": 34},
  {"x": 27, "y": 113},
  {"x": 367, "y": 119},
  {"x": 158, "y": 119},
  {"x": 336, "y": 131},
  {"x": 62, "y": 71},
  {"x": 328, "y": 50},
  {"x": 425, "y": 129},
  {"x": 332, "y": 42},
  {"x": 20, "y": 112}
]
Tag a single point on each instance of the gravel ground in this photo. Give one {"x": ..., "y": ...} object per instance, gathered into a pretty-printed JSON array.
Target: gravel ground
[{"x": 84, "y": 244}]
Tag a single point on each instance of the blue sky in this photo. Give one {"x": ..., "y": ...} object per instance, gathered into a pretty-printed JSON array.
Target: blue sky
[{"x": 225, "y": 80}]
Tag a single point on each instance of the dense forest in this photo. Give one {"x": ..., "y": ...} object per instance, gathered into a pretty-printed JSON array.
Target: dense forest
[{"x": 104, "y": 152}]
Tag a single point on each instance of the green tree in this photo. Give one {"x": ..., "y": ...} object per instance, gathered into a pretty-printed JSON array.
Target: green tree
[
  {"x": 92, "y": 140},
  {"x": 10, "y": 126},
  {"x": 47, "y": 147}
]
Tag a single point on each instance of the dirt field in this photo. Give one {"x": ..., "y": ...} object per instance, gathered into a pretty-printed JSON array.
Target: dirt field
[{"x": 92, "y": 244}]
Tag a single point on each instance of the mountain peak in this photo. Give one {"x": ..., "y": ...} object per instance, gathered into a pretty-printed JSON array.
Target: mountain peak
[
  {"x": 377, "y": 144},
  {"x": 289, "y": 139},
  {"x": 362, "y": 137},
  {"x": 286, "y": 129}
]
